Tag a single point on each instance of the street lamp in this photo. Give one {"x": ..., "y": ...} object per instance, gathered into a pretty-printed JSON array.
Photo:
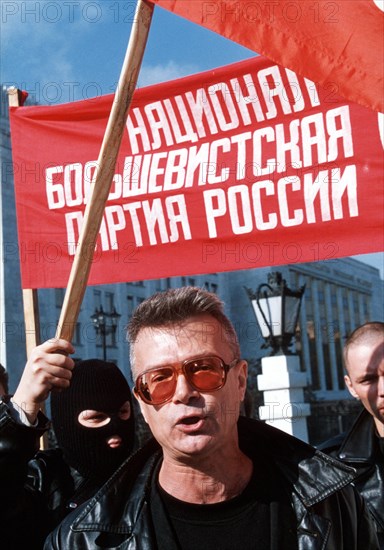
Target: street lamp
[
  {"x": 277, "y": 310},
  {"x": 100, "y": 322},
  {"x": 281, "y": 380}
]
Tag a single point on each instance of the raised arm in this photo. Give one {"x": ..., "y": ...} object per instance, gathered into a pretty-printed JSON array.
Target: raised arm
[{"x": 49, "y": 368}]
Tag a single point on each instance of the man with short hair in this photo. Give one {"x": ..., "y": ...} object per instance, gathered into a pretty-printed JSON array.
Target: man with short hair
[
  {"x": 363, "y": 446},
  {"x": 212, "y": 480}
]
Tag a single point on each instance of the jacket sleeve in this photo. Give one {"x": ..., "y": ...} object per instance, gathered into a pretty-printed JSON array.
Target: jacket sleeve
[
  {"x": 351, "y": 525},
  {"x": 367, "y": 535},
  {"x": 18, "y": 445},
  {"x": 51, "y": 542}
]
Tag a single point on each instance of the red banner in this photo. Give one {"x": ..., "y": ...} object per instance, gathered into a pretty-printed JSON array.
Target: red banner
[
  {"x": 244, "y": 166},
  {"x": 336, "y": 44}
]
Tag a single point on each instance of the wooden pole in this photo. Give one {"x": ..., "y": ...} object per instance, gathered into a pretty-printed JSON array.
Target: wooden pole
[
  {"x": 105, "y": 170},
  {"x": 30, "y": 298}
]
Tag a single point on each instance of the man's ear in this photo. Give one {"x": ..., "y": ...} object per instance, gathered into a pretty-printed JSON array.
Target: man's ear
[
  {"x": 142, "y": 408},
  {"x": 243, "y": 373},
  {"x": 351, "y": 389}
]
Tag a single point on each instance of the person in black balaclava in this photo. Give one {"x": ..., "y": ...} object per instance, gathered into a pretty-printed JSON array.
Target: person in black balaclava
[{"x": 93, "y": 421}]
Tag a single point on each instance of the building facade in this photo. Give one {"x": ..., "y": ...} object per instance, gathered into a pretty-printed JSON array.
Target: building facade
[{"x": 339, "y": 295}]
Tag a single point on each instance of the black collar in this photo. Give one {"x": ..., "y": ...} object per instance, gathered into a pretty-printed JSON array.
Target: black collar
[{"x": 361, "y": 442}]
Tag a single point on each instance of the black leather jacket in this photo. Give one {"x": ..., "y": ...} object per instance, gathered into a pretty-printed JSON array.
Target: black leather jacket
[
  {"x": 359, "y": 448},
  {"x": 38, "y": 488},
  {"x": 330, "y": 513}
]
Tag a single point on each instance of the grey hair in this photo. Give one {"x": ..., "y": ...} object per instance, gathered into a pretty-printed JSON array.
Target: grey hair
[{"x": 176, "y": 305}]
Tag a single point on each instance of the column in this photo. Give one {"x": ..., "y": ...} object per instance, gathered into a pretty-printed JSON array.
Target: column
[{"x": 282, "y": 384}]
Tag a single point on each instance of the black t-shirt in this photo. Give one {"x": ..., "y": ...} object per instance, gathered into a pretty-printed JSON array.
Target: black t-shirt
[
  {"x": 261, "y": 518},
  {"x": 381, "y": 445}
]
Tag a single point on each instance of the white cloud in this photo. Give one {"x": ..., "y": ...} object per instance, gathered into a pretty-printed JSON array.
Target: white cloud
[{"x": 161, "y": 73}]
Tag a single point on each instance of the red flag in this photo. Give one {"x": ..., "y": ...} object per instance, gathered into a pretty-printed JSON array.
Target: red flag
[
  {"x": 244, "y": 166},
  {"x": 336, "y": 44}
]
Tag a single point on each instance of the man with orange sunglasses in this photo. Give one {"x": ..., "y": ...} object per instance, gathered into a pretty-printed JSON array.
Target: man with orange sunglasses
[{"x": 211, "y": 479}]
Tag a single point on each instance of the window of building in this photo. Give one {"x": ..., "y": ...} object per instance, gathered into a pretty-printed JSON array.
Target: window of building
[
  {"x": 59, "y": 297},
  {"x": 311, "y": 335},
  {"x": 131, "y": 305},
  {"x": 321, "y": 296},
  {"x": 97, "y": 298},
  {"x": 109, "y": 301},
  {"x": 76, "y": 338}
]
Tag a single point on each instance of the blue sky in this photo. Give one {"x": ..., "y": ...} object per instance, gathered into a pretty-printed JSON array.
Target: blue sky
[
  {"x": 65, "y": 50},
  {"x": 61, "y": 49}
]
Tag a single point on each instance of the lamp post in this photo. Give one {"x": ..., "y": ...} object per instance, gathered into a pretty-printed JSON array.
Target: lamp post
[
  {"x": 277, "y": 309},
  {"x": 100, "y": 322}
]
